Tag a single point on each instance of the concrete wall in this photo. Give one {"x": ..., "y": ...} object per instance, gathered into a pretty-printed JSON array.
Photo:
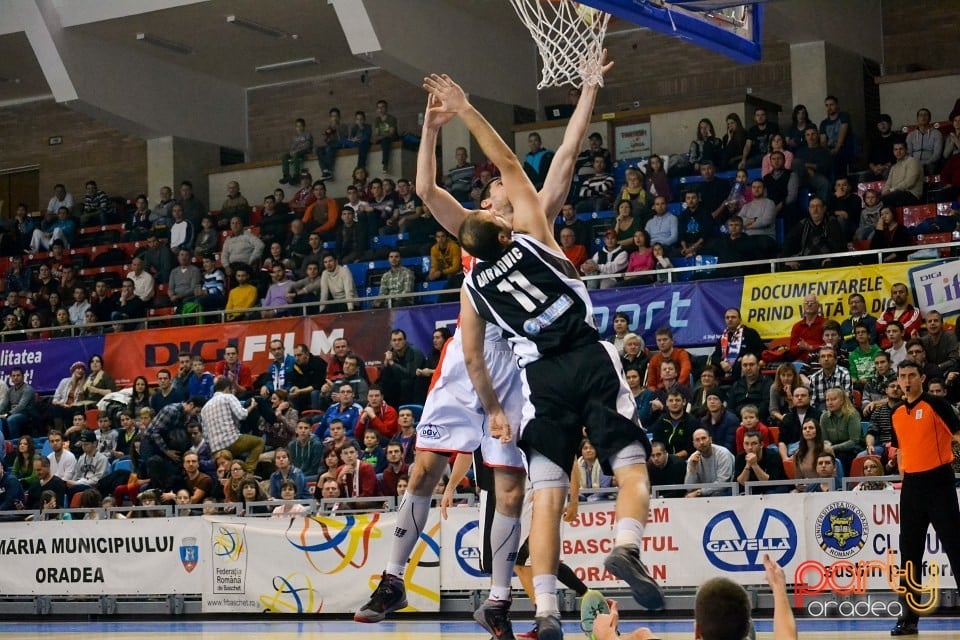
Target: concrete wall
[
  {"x": 90, "y": 150},
  {"x": 257, "y": 181},
  {"x": 902, "y": 98},
  {"x": 673, "y": 131}
]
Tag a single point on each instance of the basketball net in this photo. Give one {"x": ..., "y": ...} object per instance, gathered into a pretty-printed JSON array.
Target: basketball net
[{"x": 569, "y": 37}]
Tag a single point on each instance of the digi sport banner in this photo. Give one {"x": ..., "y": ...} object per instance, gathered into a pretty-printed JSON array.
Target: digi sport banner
[
  {"x": 146, "y": 352},
  {"x": 694, "y": 311}
]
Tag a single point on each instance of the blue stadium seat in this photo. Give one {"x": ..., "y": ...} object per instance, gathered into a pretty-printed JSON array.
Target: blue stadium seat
[
  {"x": 431, "y": 286},
  {"x": 359, "y": 272},
  {"x": 594, "y": 215},
  {"x": 382, "y": 242},
  {"x": 698, "y": 261},
  {"x": 676, "y": 208},
  {"x": 329, "y": 245},
  {"x": 370, "y": 292}
]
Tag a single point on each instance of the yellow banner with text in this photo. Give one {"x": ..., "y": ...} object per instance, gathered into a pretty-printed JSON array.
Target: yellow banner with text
[{"x": 773, "y": 303}]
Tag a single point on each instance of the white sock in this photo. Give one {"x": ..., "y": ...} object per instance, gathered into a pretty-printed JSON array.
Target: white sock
[
  {"x": 504, "y": 542},
  {"x": 411, "y": 519},
  {"x": 545, "y": 588},
  {"x": 629, "y": 532}
]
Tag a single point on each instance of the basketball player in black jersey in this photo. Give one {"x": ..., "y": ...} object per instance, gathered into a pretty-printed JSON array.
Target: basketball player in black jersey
[
  {"x": 451, "y": 404},
  {"x": 529, "y": 289}
]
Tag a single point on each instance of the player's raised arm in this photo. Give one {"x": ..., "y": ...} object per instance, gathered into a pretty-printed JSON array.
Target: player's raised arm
[
  {"x": 443, "y": 206},
  {"x": 528, "y": 215},
  {"x": 557, "y": 184}
]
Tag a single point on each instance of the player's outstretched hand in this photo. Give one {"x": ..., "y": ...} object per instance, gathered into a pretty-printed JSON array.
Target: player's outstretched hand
[
  {"x": 605, "y": 625},
  {"x": 775, "y": 576},
  {"x": 589, "y": 72},
  {"x": 500, "y": 427},
  {"x": 451, "y": 97},
  {"x": 435, "y": 117}
]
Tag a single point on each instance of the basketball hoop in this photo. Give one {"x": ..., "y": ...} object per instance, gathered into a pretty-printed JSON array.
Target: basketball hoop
[{"x": 569, "y": 37}]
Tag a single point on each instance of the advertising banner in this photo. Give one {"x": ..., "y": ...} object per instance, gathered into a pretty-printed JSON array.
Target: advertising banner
[
  {"x": 46, "y": 362},
  {"x": 632, "y": 141},
  {"x": 311, "y": 565},
  {"x": 693, "y": 311},
  {"x": 773, "y": 303},
  {"x": 94, "y": 557},
  {"x": 147, "y": 352},
  {"x": 685, "y": 541},
  {"x": 936, "y": 287},
  {"x": 839, "y": 551}
]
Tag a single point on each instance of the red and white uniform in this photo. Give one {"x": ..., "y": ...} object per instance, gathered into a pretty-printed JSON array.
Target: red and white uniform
[{"x": 453, "y": 419}]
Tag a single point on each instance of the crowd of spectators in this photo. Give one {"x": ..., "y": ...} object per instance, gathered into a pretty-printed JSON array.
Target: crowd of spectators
[
  {"x": 250, "y": 260},
  {"x": 309, "y": 421},
  {"x": 812, "y": 412},
  {"x": 303, "y": 429}
]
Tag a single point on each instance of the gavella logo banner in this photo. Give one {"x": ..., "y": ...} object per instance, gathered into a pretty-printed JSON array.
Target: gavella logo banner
[{"x": 731, "y": 546}]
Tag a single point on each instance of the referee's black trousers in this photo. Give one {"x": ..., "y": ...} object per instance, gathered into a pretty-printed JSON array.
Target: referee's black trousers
[{"x": 927, "y": 498}]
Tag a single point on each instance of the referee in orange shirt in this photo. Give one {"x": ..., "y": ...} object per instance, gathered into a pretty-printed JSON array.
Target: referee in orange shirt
[{"x": 924, "y": 427}]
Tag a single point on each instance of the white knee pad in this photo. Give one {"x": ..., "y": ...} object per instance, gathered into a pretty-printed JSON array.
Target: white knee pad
[
  {"x": 633, "y": 453},
  {"x": 546, "y": 474}
]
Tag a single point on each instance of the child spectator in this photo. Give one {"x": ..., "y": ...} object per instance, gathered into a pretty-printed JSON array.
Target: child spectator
[
  {"x": 750, "y": 421},
  {"x": 107, "y": 436},
  {"x": 200, "y": 381},
  {"x": 372, "y": 451}
]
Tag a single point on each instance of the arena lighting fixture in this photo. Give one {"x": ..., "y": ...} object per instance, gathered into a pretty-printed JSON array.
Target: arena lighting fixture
[
  {"x": 169, "y": 45},
  {"x": 258, "y": 27},
  {"x": 287, "y": 64}
]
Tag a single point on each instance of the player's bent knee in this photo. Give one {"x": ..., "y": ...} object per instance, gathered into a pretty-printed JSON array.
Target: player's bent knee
[
  {"x": 546, "y": 474},
  {"x": 631, "y": 455}
]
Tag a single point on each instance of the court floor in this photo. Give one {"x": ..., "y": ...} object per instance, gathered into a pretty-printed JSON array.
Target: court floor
[{"x": 282, "y": 630}]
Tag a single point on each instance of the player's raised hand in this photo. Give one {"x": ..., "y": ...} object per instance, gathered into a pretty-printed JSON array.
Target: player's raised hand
[
  {"x": 500, "y": 427},
  {"x": 605, "y": 625},
  {"x": 774, "y": 573},
  {"x": 451, "y": 97},
  {"x": 435, "y": 117},
  {"x": 593, "y": 71}
]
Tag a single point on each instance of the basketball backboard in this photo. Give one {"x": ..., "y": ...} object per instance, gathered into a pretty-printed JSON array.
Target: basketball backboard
[{"x": 725, "y": 26}]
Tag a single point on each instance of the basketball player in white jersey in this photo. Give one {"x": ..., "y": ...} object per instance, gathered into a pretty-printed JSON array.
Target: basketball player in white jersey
[
  {"x": 525, "y": 285},
  {"x": 453, "y": 419}
]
